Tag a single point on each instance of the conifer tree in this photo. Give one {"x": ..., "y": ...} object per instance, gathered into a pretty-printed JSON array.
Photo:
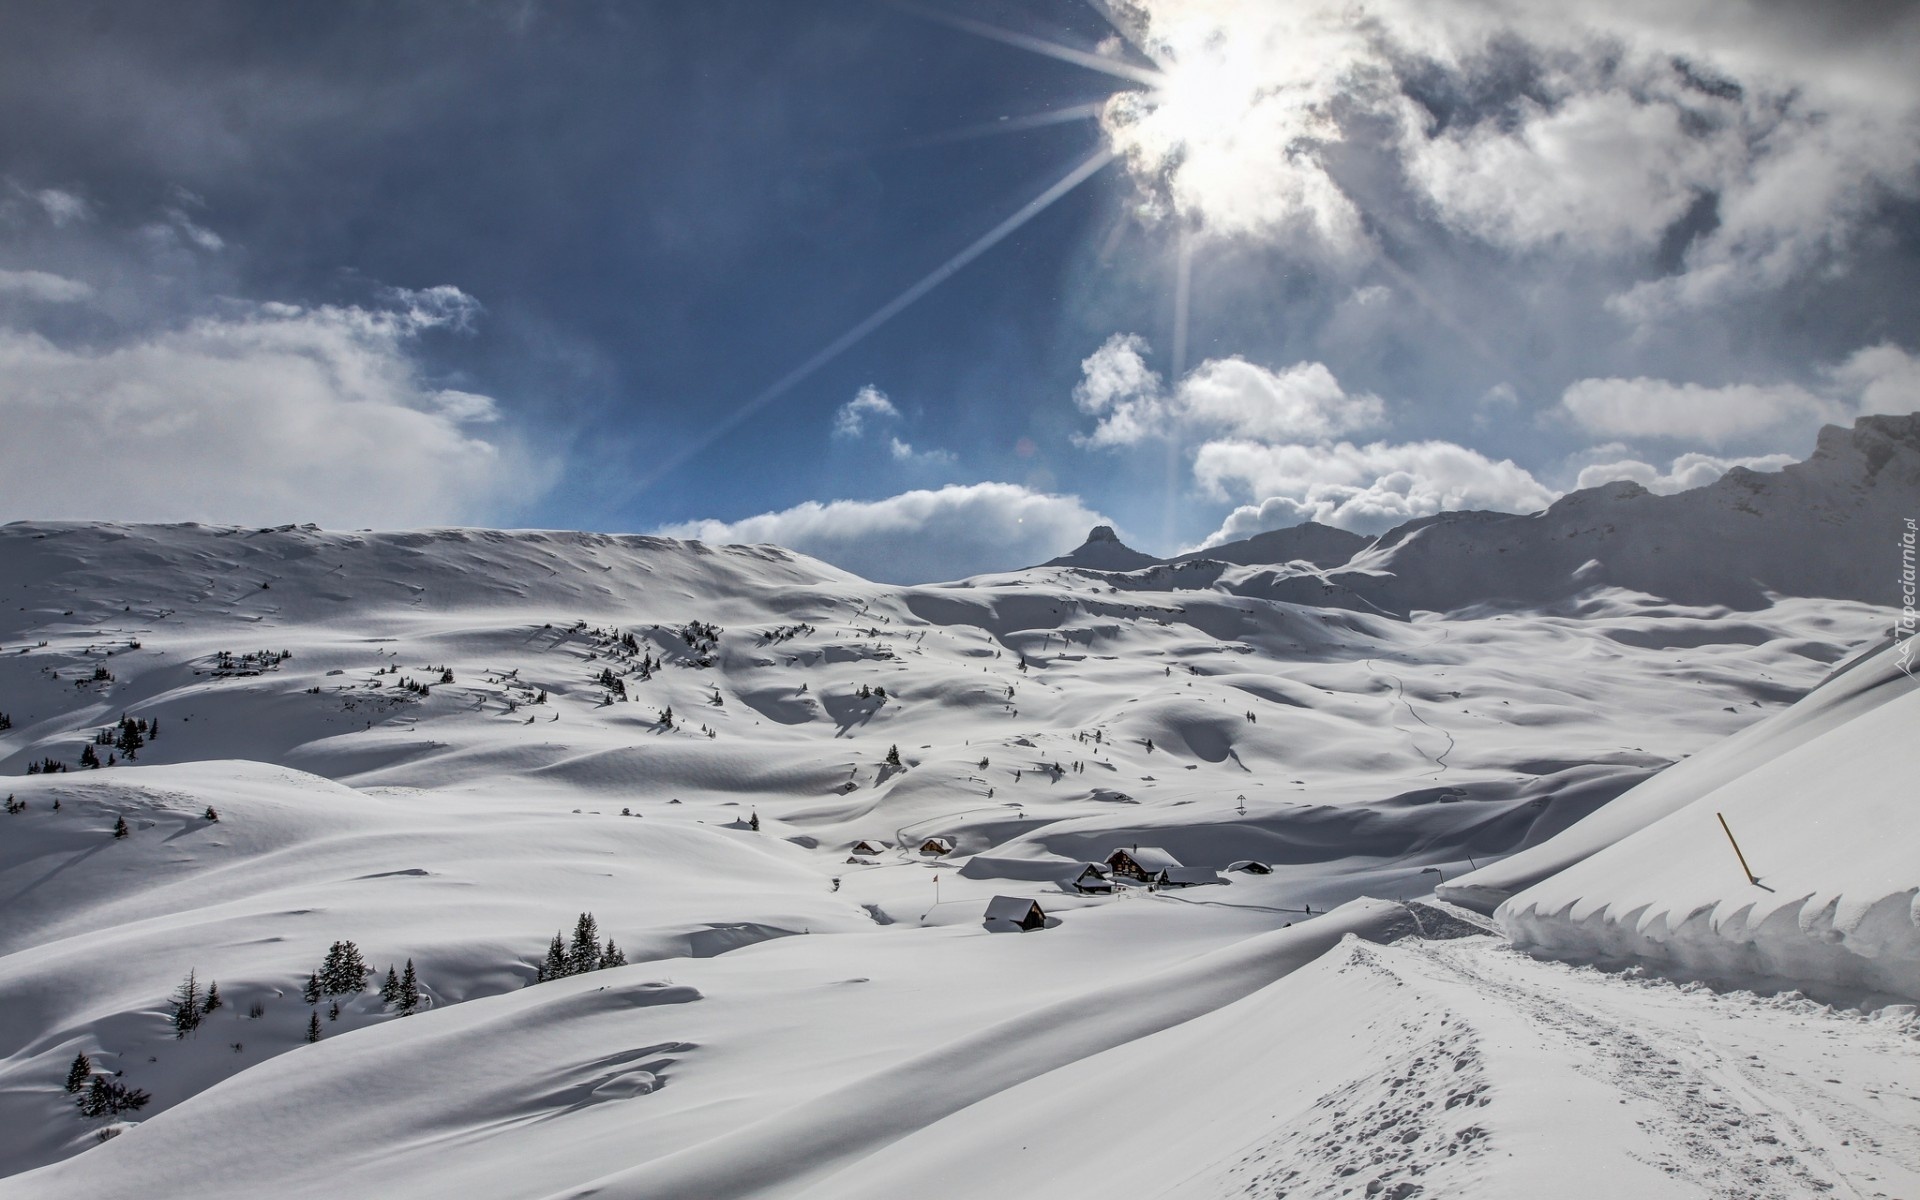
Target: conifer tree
[
  {"x": 612, "y": 956},
  {"x": 79, "y": 1073},
  {"x": 333, "y": 1011},
  {"x": 94, "y": 1102},
  {"x": 313, "y": 1027},
  {"x": 89, "y": 758},
  {"x": 311, "y": 993},
  {"x": 213, "y": 999},
  {"x": 187, "y": 1006},
  {"x": 583, "y": 954},
  {"x": 753, "y": 822},
  {"x": 390, "y": 990},
  {"x": 893, "y": 756},
  {"x": 409, "y": 991},
  {"x": 120, "y": 829},
  {"x": 556, "y": 965},
  {"x": 344, "y": 973}
]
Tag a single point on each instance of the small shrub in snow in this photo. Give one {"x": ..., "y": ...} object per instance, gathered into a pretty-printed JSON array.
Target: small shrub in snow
[{"x": 106, "y": 1097}]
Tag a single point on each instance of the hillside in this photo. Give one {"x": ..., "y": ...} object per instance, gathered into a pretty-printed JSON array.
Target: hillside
[{"x": 446, "y": 745}]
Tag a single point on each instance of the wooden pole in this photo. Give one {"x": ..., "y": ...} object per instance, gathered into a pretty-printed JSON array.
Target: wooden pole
[{"x": 1751, "y": 877}]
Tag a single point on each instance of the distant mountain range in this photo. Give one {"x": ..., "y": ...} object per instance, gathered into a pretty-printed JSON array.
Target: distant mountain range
[{"x": 1829, "y": 526}]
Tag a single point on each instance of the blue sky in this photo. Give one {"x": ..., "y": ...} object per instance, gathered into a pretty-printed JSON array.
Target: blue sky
[{"x": 527, "y": 264}]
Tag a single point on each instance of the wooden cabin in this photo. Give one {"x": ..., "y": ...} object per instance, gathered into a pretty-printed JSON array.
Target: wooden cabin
[
  {"x": 871, "y": 847},
  {"x": 1093, "y": 880},
  {"x": 1008, "y": 913},
  {"x": 935, "y": 847},
  {"x": 1250, "y": 866},
  {"x": 1140, "y": 863}
]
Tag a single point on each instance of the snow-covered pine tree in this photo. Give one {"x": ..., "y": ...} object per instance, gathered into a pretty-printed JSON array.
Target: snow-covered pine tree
[
  {"x": 583, "y": 954},
  {"x": 79, "y": 1073},
  {"x": 213, "y": 999},
  {"x": 390, "y": 990},
  {"x": 344, "y": 973},
  {"x": 311, "y": 993},
  {"x": 612, "y": 956},
  {"x": 409, "y": 991},
  {"x": 893, "y": 756},
  {"x": 313, "y": 1027},
  {"x": 555, "y": 967},
  {"x": 333, "y": 1011},
  {"x": 120, "y": 829},
  {"x": 89, "y": 758}
]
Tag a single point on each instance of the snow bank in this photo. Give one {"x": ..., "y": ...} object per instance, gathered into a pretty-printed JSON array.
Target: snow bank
[
  {"x": 1821, "y": 798},
  {"x": 1861, "y": 686}
]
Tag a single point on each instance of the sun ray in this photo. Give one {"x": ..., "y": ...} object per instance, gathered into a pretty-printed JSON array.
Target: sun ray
[
  {"x": 1035, "y": 45},
  {"x": 1005, "y": 125},
  {"x": 1082, "y": 172},
  {"x": 1182, "y": 301}
]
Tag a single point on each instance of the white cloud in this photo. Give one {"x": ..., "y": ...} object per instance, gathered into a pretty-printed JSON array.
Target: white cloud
[
  {"x": 1645, "y": 407},
  {"x": 1686, "y": 472},
  {"x": 903, "y": 452},
  {"x": 42, "y": 286},
  {"x": 279, "y": 414},
  {"x": 869, "y": 403},
  {"x": 1797, "y": 120},
  {"x": 1228, "y": 396},
  {"x": 1601, "y": 171},
  {"x": 918, "y": 536},
  {"x": 62, "y": 207},
  {"x": 1879, "y": 379},
  {"x": 1367, "y": 489}
]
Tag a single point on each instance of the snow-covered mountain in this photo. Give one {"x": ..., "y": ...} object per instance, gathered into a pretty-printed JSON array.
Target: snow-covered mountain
[
  {"x": 788, "y": 796},
  {"x": 1823, "y": 527}
]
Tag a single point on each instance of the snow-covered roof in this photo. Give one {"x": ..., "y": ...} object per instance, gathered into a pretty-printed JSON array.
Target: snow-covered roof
[
  {"x": 875, "y": 845},
  {"x": 1010, "y": 908},
  {"x": 1191, "y": 876},
  {"x": 1150, "y": 858},
  {"x": 943, "y": 843},
  {"x": 1100, "y": 869},
  {"x": 1250, "y": 864}
]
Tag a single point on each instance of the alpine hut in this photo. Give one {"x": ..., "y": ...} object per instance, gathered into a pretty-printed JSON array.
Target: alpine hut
[
  {"x": 1008, "y": 913},
  {"x": 1140, "y": 863}
]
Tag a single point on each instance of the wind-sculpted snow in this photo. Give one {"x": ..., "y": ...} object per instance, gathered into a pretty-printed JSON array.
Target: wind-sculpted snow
[
  {"x": 1820, "y": 798},
  {"x": 447, "y": 745}
]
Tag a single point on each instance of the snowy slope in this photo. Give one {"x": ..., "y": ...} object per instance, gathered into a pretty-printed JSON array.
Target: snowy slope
[
  {"x": 778, "y": 994},
  {"x": 1821, "y": 800}
]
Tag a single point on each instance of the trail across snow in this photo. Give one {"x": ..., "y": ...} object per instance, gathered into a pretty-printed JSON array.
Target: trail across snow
[{"x": 1732, "y": 1095}]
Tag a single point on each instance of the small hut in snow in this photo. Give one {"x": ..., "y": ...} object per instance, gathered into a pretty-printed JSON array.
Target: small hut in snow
[
  {"x": 1008, "y": 913},
  {"x": 934, "y": 847},
  {"x": 868, "y": 846},
  {"x": 1140, "y": 863},
  {"x": 1250, "y": 866},
  {"x": 1093, "y": 880}
]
